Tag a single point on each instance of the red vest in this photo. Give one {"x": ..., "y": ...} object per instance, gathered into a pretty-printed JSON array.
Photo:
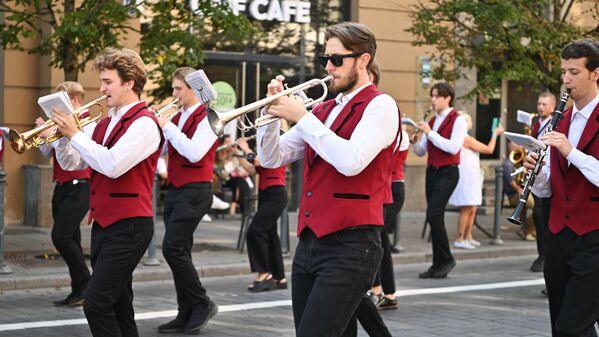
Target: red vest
[
  {"x": 436, "y": 156},
  {"x": 575, "y": 201},
  {"x": 61, "y": 176},
  {"x": 397, "y": 165},
  {"x": 129, "y": 195},
  {"x": 180, "y": 170},
  {"x": 332, "y": 201},
  {"x": 271, "y": 177},
  {"x": 534, "y": 132}
]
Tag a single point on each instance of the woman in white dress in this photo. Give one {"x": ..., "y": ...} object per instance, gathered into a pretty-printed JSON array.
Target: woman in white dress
[{"x": 468, "y": 192}]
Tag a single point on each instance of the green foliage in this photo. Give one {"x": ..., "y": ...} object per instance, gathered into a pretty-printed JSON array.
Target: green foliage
[
  {"x": 71, "y": 35},
  {"x": 517, "y": 40}
]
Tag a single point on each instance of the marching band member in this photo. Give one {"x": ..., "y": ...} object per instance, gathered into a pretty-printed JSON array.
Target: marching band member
[
  {"x": 346, "y": 144},
  {"x": 70, "y": 203},
  {"x": 122, "y": 154},
  {"x": 191, "y": 151},
  {"x": 443, "y": 138},
  {"x": 572, "y": 175},
  {"x": 542, "y": 198},
  {"x": 264, "y": 246}
]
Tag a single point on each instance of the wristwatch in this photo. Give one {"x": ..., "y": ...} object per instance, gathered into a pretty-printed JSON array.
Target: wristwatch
[{"x": 250, "y": 157}]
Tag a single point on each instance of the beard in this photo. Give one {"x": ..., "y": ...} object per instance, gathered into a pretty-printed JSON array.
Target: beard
[{"x": 347, "y": 83}]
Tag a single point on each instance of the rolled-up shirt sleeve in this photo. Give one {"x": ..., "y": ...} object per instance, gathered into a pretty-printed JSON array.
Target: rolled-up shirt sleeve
[{"x": 275, "y": 150}]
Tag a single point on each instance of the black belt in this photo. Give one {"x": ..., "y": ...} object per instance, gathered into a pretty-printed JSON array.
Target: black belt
[
  {"x": 72, "y": 182},
  {"x": 440, "y": 167}
]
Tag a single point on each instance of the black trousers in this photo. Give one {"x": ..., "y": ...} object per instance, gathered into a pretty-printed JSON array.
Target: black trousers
[
  {"x": 540, "y": 214},
  {"x": 116, "y": 251},
  {"x": 70, "y": 203},
  {"x": 369, "y": 318},
  {"x": 386, "y": 274},
  {"x": 572, "y": 279},
  {"x": 440, "y": 183},
  {"x": 184, "y": 207},
  {"x": 330, "y": 276},
  {"x": 264, "y": 246}
]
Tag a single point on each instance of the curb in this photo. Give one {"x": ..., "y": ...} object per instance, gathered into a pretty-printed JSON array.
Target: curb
[{"x": 163, "y": 273}]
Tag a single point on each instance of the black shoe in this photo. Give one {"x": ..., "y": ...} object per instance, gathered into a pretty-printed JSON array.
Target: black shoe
[
  {"x": 429, "y": 273},
  {"x": 176, "y": 325},
  {"x": 444, "y": 269},
  {"x": 374, "y": 298},
  {"x": 387, "y": 303},
  {"x": 264, "y": 285},
  {"x": 200, "y": 317},
  {"x": 73, "y": 300},
  {"x": 538, "y": 265}
]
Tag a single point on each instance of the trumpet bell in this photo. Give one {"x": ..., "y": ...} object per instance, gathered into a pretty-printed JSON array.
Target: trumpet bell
[
  {"x": 16, "y": 142},
  {"x": 217, "y": 123}
]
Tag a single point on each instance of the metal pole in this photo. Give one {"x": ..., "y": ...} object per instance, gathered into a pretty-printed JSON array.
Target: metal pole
[
  {"x": 151, "y": 260},
  {"x": 284, "y": 225},
  {"x": 496, "y": 239},
  {"x": 4, "y": 268}
]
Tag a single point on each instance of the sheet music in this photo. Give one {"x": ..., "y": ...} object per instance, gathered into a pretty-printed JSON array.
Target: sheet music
[
  {"x": 408, "y": 121},
  {"x": 58, "y": 101},
  {"x": 524, "y": 117},
  {"x": 528, "y": 142},
  {"x": 201, "y": 86}
]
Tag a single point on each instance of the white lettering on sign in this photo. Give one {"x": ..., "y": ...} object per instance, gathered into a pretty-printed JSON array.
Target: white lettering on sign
[{"x": 273, "y": 10}]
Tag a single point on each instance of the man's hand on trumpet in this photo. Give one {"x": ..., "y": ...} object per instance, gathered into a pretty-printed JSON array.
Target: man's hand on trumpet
[
  {"x": 48, "y": 132},
  {"x": 66, "y": 123},
  {"x": 290, "y": 108}
]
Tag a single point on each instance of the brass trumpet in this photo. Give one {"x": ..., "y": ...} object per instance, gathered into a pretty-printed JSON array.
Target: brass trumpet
[
  {"x": 25, "y": 141},
  {"x": 218, "y": 120},
  {"x": 162, "y": 112}
]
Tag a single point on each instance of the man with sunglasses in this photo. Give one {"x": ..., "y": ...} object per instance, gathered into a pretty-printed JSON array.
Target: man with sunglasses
[{"x": 346, "y": 144}]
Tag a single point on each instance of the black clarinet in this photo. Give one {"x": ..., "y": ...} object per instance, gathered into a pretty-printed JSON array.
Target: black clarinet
[{"x": 518, "y": 216}]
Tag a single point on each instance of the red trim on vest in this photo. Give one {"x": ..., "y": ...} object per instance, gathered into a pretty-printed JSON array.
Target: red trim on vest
[
  {"x": 436, "y": 156},
  {"x": 180, "y": 170},
  {"x": 271, "y": 177},
  {"x": 331, "y": 201},
  {"x": 575, "y": 200},
  {"x": 129, "y": 195}
]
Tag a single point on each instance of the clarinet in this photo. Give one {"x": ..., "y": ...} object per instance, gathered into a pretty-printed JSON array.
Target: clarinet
[{"x": 518, "y": 216}]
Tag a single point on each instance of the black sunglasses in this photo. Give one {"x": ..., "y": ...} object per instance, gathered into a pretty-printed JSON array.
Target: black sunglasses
[{"x": 336, "y": 59}]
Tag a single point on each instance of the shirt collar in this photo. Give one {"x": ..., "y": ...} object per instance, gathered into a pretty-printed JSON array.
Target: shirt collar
[
  {"x": 343, "y": 99},
  {"x": 445, "y": 112},
  {"x": 118, "y": 113},
  {"x": 191, "y": 109},
  {"x": 587, "y": 110}
]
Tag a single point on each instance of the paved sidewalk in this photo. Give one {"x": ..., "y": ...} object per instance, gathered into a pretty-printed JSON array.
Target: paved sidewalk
[{"x": 215, "y": 255}]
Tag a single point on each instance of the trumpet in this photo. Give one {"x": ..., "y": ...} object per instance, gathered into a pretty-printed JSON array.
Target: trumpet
[
  {"x": 226, "y": 146},
  {"x": 218, "y": 120},
  {"x": 164, "y": 111},
  {"x": 20, "y": 142},
  {"x": 415, "y": 134}
]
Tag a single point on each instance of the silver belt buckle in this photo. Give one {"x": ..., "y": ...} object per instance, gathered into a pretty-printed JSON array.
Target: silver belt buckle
[{"x": 75, "y": 181}]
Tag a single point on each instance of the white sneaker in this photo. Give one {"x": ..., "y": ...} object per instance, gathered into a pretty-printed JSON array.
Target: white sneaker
[
  {"x": 474, "y": 243},
  {"x": 206, "y": 218},
  {"x": 219, "y": 204},
  {"x": 463, "y": 245}
]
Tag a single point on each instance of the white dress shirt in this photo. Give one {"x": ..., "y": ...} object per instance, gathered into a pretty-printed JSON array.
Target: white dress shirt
[
  {"x": 588, "y": 165},
  {"x": 196, "y": 147},
  {"x": 375, "y": 131},
  {"x": 542, "y": 190},
  {"x": 140, "y": 141},
  {"x": 452, "y": 145},
  {"x": 47, "y": 150}
]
